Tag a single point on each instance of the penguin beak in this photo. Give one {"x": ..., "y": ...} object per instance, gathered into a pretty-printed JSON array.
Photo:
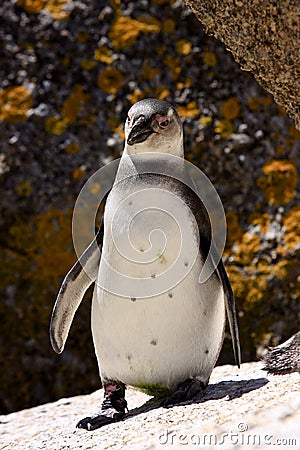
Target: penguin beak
[{"x": 140, "y": 131}]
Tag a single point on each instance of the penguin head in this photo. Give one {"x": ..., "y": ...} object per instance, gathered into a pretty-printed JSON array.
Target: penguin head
[{"x": 153, "y": 126}]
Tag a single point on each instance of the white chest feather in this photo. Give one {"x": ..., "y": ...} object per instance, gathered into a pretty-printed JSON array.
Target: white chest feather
[{"x": 152, "y": 322}]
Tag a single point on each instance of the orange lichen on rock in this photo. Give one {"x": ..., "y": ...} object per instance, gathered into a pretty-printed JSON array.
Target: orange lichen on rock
[
  {"x": 293, "y": 132},
  {"x": 46, "y": 242},
  {"x": 234, "y": 231},
  {"x": 69, "y": 112},
  {"x": 224, "y": 128},
  {"x": 190, "y": 110},
  {"x": 32, "y": 6},
  {"x": 54, "y": 7},
  {"x": 230, "y": 108},
  {"x": 256, "y": 102},
  {"x": 24, "y": 189},
  {"x": 57, "y": 9},
  {"x": 83, "y": 36},
  {"x": 183, "y": 47},
  {"x": 79, "y": 172},
  {"x": 248, "y": 289},
  {"x": 256, "y": 291},
  {"x": 115, "y": 4},
  {"x": 247, "y": 248},
  {"x": 15, "y": 102},
  {"x": 168, "y": 26},
  {"x": 55, "y": 125},
  {"x": 72, "y": 148},
  {"x": 116, "y": 127},
  {"x": 252, "y": 293},
  {"x": 163, "y": 2},
  {"x": 110, "y": 80},
  {"x": 288, "y": 270},
  {"x": 173, "y": 62},
  {"x": 136, "y": 95},
  {"x": 113, "y": 122},
  {"x": 125, "y": 31},
  {"x": 161, "y": 93},
  {"x": 205, "y": 121},
  {"x": 87, "y": 64},
  {"x": 237, "y": 280},
  {"x": 209, "y": 58},
  {"x": 262, "y": 220},
  {"x": 120, "y": 131},
  {"x": 280, "y": 181},
  {"x": 149, "y": 72},
  {"x": 103, "y": 54},
  {"x": 73, "y": 104},
  {"x": 291, "y": 223}
]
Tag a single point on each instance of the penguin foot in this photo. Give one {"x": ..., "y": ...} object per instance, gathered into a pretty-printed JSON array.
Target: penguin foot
[
  {"x": 186, "y": 391},
  {"x": 103, "y": 418},
  {"x": 112, "y": 410}
]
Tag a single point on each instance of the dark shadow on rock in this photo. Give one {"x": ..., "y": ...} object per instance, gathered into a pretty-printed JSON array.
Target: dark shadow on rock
[{"x": 229, "y": 389}]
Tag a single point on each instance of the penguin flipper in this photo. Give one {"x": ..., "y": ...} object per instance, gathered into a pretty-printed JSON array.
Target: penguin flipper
[
  {"x": 77, "y": 281},
  {"x": 231, "y": 313}
]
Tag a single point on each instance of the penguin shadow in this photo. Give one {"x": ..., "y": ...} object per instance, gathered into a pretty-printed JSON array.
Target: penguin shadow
[{"x": 224, "y": 389}]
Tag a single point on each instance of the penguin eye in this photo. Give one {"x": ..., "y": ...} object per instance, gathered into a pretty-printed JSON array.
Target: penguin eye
[{"x": 164, "y": 124}]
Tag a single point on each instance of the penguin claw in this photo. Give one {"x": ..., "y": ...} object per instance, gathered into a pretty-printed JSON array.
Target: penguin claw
[
  {"x": 98, "y": 421},
  {"x": 113, "y": 407},
  {"x": 186, "y": 391}
]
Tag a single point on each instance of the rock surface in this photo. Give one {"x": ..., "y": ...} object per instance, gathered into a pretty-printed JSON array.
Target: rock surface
[
  {"x": 241, "y": 408},
  {"x": 263, "y": 37}
]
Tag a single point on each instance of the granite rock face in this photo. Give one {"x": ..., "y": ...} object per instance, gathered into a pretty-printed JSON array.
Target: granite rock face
[
  {"x": 285, "y": 358},
  {"x": 240, "y": 408},
  {"x": 70, "y": 70},
  {"x": 263, "y": 37}
]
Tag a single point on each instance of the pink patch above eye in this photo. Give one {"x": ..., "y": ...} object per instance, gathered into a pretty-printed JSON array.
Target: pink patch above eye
[{"x": 162, "y": 120}]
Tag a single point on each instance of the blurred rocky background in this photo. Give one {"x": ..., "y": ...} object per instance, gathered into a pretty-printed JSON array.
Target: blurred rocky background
[{"x": 70, "y": 70}]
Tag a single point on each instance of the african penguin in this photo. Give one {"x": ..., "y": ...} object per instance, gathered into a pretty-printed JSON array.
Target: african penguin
[{"x": 165, "y": 344}]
